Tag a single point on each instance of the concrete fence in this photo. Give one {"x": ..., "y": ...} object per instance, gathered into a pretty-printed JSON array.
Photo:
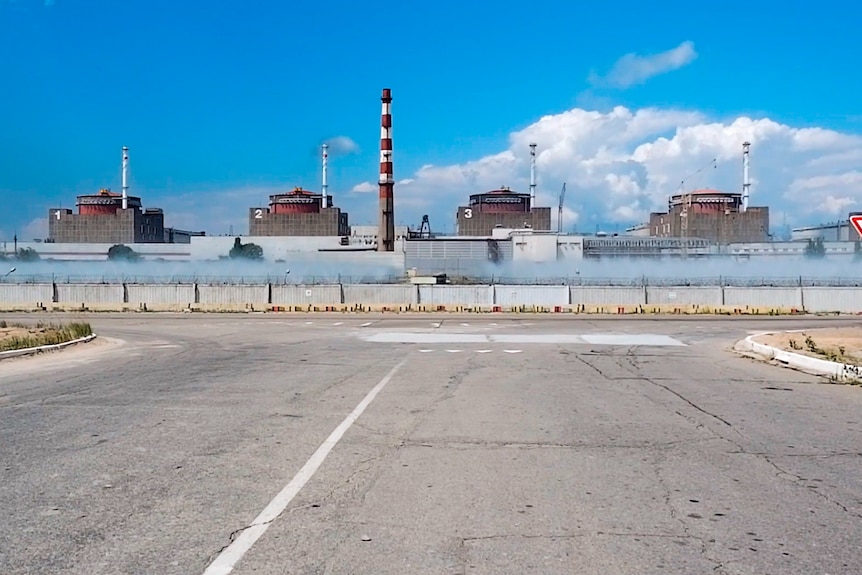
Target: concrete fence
[{"x": 288, "y": 297}]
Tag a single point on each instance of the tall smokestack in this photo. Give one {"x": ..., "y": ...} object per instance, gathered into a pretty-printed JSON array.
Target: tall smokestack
[
  {"x": 386, "y": 228},
  {"x": 125, "y": 177},
  {"x": 532, "y": 175},
  {"x": 324, "y": 187},
  {"x": 746, "y": 183}
]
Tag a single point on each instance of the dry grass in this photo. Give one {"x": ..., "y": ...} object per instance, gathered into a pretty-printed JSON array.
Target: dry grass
[
  {"x": 840, "y": 344},
  {"x": 22, "y": 336}
]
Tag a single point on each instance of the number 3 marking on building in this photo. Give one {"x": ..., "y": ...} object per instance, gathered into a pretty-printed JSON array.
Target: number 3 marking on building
[
  {"x": 468, "y": 213},
  {"x": 258, "y": 214}
]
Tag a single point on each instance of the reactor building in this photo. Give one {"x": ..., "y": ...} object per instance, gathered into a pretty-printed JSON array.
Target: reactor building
[
  {"x": 720, "y": 217},
  {"x": 109, "y": 217},
  {"x": 503, "y": 208},
  {"x": 301, "y": 212}
]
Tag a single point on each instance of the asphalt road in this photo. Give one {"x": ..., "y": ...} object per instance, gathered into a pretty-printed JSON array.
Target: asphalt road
[{"x": 498, "y": 445}]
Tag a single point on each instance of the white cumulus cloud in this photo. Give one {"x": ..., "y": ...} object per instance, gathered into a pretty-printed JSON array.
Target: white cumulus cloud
[
  {"x": 634, "y": 69},
  {"x": 341, "y": 145},
  {"x": 621, "y": 165},
  {"x": 364, "y": 188}
]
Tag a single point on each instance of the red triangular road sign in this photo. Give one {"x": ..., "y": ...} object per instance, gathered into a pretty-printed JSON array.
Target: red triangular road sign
[{"x": 856, "y": 222}]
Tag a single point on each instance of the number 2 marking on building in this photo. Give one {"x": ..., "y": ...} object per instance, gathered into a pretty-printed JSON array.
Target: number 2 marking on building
[{"x": 258, "y": 214}]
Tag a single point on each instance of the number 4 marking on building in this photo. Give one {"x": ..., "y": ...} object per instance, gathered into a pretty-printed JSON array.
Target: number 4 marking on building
[{"x": 856, "y": 222}]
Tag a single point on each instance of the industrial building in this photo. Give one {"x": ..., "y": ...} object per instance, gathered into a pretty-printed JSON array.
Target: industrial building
[
  {"x": 503, "y": 208},
  {"x": 299, "y": 213},
  {"x": 720, "y": 217},
  {"x": 108, "y": 217},
  {"x": 840, "y": 231}
]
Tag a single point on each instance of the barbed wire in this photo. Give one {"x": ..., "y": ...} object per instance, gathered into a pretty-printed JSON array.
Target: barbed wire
[{"x": 640, "y": 281}]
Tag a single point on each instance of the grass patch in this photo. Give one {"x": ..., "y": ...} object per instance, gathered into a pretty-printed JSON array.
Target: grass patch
[{"x": 21, "y": 336}]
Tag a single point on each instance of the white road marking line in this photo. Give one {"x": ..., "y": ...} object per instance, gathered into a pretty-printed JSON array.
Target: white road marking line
[
  {"x": 436, "y": 324},
  {"x": 366, "y": 324},
  {"x": 466, "y": 324},
  {"x": 483, "y": 351},
  {"x": 338, "y": 323},
  {"x": 512, "y": 350},
  {"x": 309, "y": 322},
  {"x": 228, "y": 558},
  {"x": 425, "y": 350},
  {"x": 454, "y": 350}
]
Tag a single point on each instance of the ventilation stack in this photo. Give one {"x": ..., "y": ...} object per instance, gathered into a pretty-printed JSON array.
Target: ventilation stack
[
  {"x": 386, "y": 227},
  {"x": 125, "y": 178},
  {"x": 746, "y": 182},
  {"x": 324, "y": 187},
  {"x": 532, "y": 175}
]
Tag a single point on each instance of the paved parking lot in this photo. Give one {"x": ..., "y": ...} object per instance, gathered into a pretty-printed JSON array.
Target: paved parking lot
[{"x": 204, "y": 444}]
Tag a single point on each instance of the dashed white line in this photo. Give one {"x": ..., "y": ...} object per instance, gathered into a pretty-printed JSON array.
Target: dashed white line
[
  {"x": 366, "y": 324},
  {"x": 454, "y": 350},
  {"x": 309, "y": 322},
  {"x": 465, "y": 324},
  {"x": 512, "y": 350},
  {"x": 228, "y": 558},
  {"x": 425, "y": 350},
  {"x": 338, "y": 323}
]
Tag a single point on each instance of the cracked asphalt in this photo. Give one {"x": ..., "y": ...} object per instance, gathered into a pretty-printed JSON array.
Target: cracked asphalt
[{"x": 149, "y": 450}]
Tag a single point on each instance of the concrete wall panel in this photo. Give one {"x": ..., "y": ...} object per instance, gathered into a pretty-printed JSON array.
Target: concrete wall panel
[
  {"x": 774, "y": 297},
  {"x": 234, "y": 295},
  {"x": 161, "y": 294},
  {"x": 609, "y": 295},
  {"x": 306, "y": 294},
  {"x": 684, "y": 296},
  {"x": 29, "y": 294},
  {"x": 91, "y": 294},
  {"x": 456, "y": 295},
  {"x": 546, "y": 296},
  {"x": 381, "y": 294},
  {"x": 832, "y": 299}
]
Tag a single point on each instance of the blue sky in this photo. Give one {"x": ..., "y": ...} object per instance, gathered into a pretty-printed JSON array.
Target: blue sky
[{"x": 224, "y": 101}]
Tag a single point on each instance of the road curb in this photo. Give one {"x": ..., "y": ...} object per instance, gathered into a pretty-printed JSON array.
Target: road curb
[
  {"x": 840, "y": 372},
  {"x": 44, "y": 348}
]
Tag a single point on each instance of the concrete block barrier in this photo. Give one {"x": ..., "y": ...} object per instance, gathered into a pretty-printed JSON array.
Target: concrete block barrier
[
  {"x": 530, "y": 295},
  {"x": 832, "y": 299},
  {"x": 610, "y": 295}
]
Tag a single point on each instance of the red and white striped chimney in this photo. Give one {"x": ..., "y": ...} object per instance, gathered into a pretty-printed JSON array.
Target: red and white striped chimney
[{"x": 386, "y": 227}]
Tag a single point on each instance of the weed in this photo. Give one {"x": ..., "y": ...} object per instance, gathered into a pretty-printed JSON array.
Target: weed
[
  {"x": 794, "y": 344},
  {"x": 47, "y": 335}
]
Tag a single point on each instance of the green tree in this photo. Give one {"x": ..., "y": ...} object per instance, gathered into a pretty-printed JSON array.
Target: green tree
[
  {"x": 123, "y": 253},
  {"x": 28, "y": 255},
  {"x": 246, "y": 251},
  {"x": 815, "y": 248}
]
